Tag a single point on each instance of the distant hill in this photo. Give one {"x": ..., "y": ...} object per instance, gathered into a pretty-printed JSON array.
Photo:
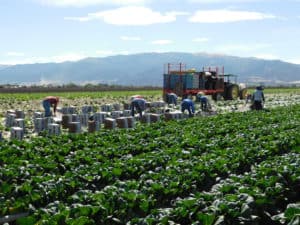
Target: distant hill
[{"x": 146, "y": 69}]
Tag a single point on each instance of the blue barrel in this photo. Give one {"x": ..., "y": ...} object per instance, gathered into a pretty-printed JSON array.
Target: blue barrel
[{"x": 188, "y": 81}]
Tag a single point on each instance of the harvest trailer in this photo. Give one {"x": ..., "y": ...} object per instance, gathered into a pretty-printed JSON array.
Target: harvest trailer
[{"x": 210, "y": 81}]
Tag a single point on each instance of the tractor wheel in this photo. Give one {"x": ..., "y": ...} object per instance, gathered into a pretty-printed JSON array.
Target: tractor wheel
[
  {"x": 217, "y": 97},
  {"x": 232, "y": 93},
  {"x": 243, "y": 93}
]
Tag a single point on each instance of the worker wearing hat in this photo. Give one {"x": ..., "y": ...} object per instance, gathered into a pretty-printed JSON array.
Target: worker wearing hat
[{"x": 48, "y": 102}]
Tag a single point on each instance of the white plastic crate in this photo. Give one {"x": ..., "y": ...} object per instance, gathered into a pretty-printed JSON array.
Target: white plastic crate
[
  {"x": 16, "y": 133},
  {"x": 10, "y": 120},
  {"x": 75, "y": 127},
  {"x": 53, "y": 129}
]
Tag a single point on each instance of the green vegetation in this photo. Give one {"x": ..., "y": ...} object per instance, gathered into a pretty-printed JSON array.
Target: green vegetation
[
  {"x": 238, "y": 168},
  {"x": 75, "y": 95}
]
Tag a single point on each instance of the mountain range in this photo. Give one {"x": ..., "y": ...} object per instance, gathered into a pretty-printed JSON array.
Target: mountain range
[{"x": 146, "y": 69}]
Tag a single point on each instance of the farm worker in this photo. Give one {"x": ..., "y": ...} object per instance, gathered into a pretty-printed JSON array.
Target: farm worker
[
  {"x": 258, "y": 98},
  {"x": 188, "y": 104},
  {"x": 135, "y": 96},
  {"x": 48, "y": 102},
  {"x": 139, "y": 104},
  {"x": 248, "y": 98},
  {"x": 203, "y": 100},
  {"x": 172, "y": 98}
]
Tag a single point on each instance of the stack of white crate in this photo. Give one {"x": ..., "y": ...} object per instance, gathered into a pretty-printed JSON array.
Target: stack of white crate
[
  {"x": 66, "y": 119},
  {"x": 75, "y": 127},
  {"x": 16, "y": 133},
  {"x": 122, "y": 122},
  {"x": 53, "y": 129},
  {"x": 100, "y": 116},
  {"x": 68, "y": 110},
  {"x": 116, "y": 107},
  {"x": 38, "y": 115},
  {"x": 20, "y": 123},
  {"x": 75, "y": 118},
  {"x": 106, "y": 108},
  {"x": 38, "y": 124},
  {"x": 126, "y": 112},
  {"x": 84, "y": 118},
  {"x": 146, "y": 118},
  {"x": 10, "y": 119},
  {"x": 93, "y": 126},
  {"x": 174, "y": 115},
  {"x": 20, "y": 114},
  {"x": 131, "y": 122},
  {"x": 87, "y": 109},
  {"x": 116, "y": 114},
  {"x": 110, "y": 123}
]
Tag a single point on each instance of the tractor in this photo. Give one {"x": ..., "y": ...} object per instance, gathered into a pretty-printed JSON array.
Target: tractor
[{"x": 211, "y": 81}]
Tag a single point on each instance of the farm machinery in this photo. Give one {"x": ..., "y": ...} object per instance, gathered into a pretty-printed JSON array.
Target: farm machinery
[{"x": 211, "y": 81}]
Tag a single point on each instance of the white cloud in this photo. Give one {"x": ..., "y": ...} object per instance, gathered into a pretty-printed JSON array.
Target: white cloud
[
  {"x": 131, "y": 15},
  {"x": 161, "y": 42},
  {"x": 15, "y": 54},
  {"x": 83, "y": 3},
  {"x": 127, "y": 38},
  {"x": 201, "y": 39},
  {"x": 227, "y": 16}
]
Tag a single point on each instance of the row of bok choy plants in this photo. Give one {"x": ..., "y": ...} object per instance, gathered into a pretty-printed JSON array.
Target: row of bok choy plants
[{"x": 240, "y": 168}]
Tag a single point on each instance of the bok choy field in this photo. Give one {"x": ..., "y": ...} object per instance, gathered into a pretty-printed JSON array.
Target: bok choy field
[{"x": 231, "y": 168}]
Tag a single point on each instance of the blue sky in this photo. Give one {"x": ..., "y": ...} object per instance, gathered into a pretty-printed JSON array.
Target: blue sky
[{"x": 59, "y": 30}]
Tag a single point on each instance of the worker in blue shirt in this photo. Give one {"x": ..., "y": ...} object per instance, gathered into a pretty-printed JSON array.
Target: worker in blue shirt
[
  {"x": 172, "y": 98},
  {"x": 203, "y": 100},
  {"x": 258, "y": 98},
  {"x": 188, "y": 104},
  {"x": 139, "y": 104}
]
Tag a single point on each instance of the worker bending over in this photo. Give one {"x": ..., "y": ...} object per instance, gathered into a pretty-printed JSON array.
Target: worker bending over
[
  {"x": 48, "y": 102},
  {"x": 139, "y": 104},
  {"x": 172, "y": 98},
  {"x": 188, "y": 104},
  {"x": 203, "y": 101}
]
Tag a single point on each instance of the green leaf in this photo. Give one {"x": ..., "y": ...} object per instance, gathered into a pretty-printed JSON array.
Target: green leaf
[
  {"x": 29, "y": 220},
  {"x": 83, "y": 220},
  {"x": 117, "y": 171},
  {"x": 5, "y": 188},
  {"x": 144, "y": 205},
  {"x": 206, "y": 219},
  {"x": 292, "y": 211}
]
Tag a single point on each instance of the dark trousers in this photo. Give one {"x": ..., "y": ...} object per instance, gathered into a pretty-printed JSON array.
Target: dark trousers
[
  {"x": 135, "y": 105},
  {"x": 47, "y": 106},
  {"x": 258, "y": 105},
  {"x": 203, "y": 106},
  {"x": 184, "y": 107},
  {"x": 171, "y": 100}
]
